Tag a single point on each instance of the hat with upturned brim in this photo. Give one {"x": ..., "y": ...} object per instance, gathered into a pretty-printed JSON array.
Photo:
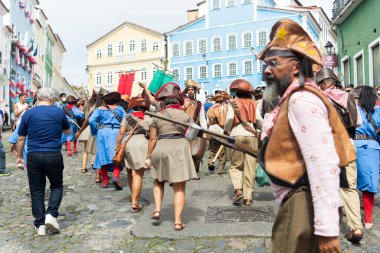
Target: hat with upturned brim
[
  {"x": 138, "y": 102},
  {"x": 221, "y": 96},
  {"x": 71, "y": 100},
  {"x": 242, "y": 86},
  {"x": 191, "y": 84},
  {"x": 326, "y": 73},
  {"x": 169, "y": 90}
]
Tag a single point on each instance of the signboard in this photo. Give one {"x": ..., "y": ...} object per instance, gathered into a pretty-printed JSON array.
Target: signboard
[{"x": 330, "y": 61}]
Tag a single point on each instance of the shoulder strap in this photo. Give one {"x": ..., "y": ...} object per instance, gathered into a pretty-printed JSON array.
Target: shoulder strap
[
  {"x": 133, "y": 123},
  {"x": 246, "y": 126},
  {"x": 370, "y": 119},
  {"x": 117, "y": 116},
  {"x": 197, "y": 110}
]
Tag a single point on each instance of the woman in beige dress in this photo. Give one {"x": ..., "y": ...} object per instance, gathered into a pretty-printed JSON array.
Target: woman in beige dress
[
  {"x": 136, "y": 148},
  {"x": 169, "y": 153}
]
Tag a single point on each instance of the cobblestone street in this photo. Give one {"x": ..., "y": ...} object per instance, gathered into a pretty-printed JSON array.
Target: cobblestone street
[{"x": 95, "y": 220}]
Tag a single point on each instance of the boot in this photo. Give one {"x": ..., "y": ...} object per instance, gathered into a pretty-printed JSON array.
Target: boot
[
  {"x": 75, "y": 147},
  {"x": 104, "y": 174},
  {"x": 68, "y": 144},
  {"x": 115, "y": 180}
]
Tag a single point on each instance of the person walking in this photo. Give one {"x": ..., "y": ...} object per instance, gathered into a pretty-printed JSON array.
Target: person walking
[
  {"x": 345, "y": 106},
  {"x": 42, "y": 126},
  {"x": 169, "y": 153},
  {"x": 73, "y": 114},
  {"x": 105, "y": 124},
  {"x": 367, "y": 142},
  {"x": 240, "y": 123},
  {"x": 304, "y": 145},
  {"x": 3, "y": 171},
  {"x": 136, "y": 148}
]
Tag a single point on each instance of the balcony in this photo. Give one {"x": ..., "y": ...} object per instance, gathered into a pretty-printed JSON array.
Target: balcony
[
  {"x": 342, "y": 9},
  {"x": 338, "y": 6}
]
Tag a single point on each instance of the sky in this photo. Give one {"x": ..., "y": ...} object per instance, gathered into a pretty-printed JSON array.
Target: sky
[{"x": 80, "y": 22}]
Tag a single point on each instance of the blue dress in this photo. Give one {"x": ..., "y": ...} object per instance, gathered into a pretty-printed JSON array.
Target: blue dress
[
  {"x": 77, "y": 114},
  {"x": 367, "y": 152},
  {"x": 106, "y": 127}
]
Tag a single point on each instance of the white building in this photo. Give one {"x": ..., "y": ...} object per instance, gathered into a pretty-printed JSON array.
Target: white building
[{"x": 5, "y": 51}]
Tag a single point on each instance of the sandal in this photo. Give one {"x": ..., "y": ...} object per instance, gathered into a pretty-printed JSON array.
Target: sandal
[
  {"x": 84, "y": 171},
  {"x": 179, "y": 226},
  {"x": 98, "y": 180},
  {"x": 355, "y": 238},
  {"x": 154, "y": 216},
  {"x": 136, "y": 208}
]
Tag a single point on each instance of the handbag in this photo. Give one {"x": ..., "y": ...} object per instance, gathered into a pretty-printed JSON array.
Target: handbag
[
  {"x": 262, "y": 178},
  {"x": 118, "y": 158},
  {"x": 198, "y": 148}
]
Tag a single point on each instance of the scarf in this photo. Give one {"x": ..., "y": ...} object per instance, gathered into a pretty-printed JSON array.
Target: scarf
[
  {"x": 338, "y": 96},
  {"x": 70, "y": 106},
  {"x": 271, "y": 118},
  {"x": 138, "y": 114},
  {"x": 176, "y": 106}
]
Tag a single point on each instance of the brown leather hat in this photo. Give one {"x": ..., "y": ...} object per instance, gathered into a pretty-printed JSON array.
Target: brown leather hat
[
  {"x": 191, "y": 83},
  {"x": 71, "y": 100},
  {"x": 222, "y": 95},
  {"x": 138, "y": 102},
  {"x": 325, "y": 73},
  {"x": 242, "y": 86},
  {"x": 169, "y": 90}
]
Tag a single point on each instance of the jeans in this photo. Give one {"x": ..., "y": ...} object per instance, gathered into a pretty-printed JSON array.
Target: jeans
[
  {"x": 41, "y": 165},
  {"x": 2, "y": 157}
]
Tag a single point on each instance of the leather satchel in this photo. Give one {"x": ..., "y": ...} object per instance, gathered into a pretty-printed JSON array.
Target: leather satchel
[
  {"x": 118, "y": 158},
  {"x": 198, "y": 148}
]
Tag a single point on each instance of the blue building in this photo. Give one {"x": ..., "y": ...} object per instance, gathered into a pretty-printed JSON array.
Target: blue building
[{"x": 222, "y": 39}]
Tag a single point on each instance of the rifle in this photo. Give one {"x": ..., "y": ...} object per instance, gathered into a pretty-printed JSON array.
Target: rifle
[{"x": 225, "y": 140}]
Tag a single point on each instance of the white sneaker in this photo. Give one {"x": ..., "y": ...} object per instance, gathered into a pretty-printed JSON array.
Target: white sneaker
[
  {"x": 51, "y": 223},
  {"x": 41, "y": 230},
  {"x": 368, "y": 226}
]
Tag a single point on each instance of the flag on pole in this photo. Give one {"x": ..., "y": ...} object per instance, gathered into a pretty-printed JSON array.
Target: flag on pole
[
  {"x": 159, "y": 79},
  {"x": 125, "y": 83}
]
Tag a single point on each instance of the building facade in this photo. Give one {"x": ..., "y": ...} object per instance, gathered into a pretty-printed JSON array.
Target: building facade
[
  {"x": 214, "y": 51},
  {"x": 128, "y": 47},
  {"x": 5, "y": 45},
  {"x": 358, "y": 27}
]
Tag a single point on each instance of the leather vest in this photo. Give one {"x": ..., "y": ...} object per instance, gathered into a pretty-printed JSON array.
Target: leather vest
[
  {"x": 247, "y": 108},
  {"x": 283, "y": 158},
  {"x": 349, "y": 115},
  {"x": 217, "y": 114},
  {"x": 192, "y": 108}
]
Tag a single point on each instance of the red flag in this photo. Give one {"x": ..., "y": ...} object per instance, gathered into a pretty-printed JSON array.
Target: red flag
[{"x": 125, "y": 83}]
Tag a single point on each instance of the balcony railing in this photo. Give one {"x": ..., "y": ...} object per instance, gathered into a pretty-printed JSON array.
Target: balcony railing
[{"x": 338, "y": 6}]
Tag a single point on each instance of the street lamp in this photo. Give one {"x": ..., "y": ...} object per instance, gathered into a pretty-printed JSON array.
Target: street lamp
[{"x": 329, "y": 47}]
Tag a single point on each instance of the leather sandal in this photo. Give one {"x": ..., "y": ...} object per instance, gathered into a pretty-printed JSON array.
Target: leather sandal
[
  {"x": 179, "y": 226},
  {"x": 136, "y": 208},
  {"x": 248, "y": 202},
  {"x": 154, "y": 216},
  {"x": 355, "y": 238}
]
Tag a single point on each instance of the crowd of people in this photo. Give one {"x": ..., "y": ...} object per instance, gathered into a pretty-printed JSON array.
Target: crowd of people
[{"x": 318, "y": 141}]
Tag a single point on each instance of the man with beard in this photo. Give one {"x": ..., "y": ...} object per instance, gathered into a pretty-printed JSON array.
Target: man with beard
[
  {"x": 304, "y": 145},
  {"x": 345, "y": 105},
  {"x": 195, "y": 110}
]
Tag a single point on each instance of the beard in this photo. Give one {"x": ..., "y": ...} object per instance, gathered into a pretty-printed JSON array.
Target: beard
[{"x": 276, "y": 87}]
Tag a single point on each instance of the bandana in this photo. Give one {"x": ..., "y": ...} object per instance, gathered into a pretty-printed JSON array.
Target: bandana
[
  {"x": 70, "y": 106},
  {"x": 176, "y": 106},
  {"x": 338, "y": 96},
  {"x": 138, "y": 114}
]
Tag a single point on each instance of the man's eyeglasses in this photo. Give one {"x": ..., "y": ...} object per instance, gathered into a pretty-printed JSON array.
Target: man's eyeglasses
[{"x": 271, "y": 64}]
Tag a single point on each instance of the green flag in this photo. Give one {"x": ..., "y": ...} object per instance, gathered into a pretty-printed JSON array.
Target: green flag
[{"x": 159, "y": 79}]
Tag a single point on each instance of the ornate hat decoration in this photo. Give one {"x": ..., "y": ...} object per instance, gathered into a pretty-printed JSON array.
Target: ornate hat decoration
[
  {"x": 242, "y": 86},
  {"x": 326, "y": 73},
  {"x": 71, "y": 100},
  {"x": 138, "y": 102},
  {"x": 191, "y": 83},
  {"x": 169, "y": 90}
]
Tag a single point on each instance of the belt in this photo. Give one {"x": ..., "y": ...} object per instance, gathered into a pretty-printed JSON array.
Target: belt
[
  {"x": 109, "y": 126},
  {"x": 364, "y": 137},
  {"x": 294, "y": 191},
  {"x": 170, "y": 136}
]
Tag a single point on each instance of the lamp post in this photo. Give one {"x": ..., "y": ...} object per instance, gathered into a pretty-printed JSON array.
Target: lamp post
[{"x": 329, "y": 46}]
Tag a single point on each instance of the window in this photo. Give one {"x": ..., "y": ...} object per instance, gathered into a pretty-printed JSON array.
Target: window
[
  {"x": 143, "y": 45},
  {"x": 217, "y": 71},
  {"x": 215, "y": 4},
  {"x": 346, "y": 70},
  {"x": 231, "y": 3},
  {"x": 202, "y": 46},
  {"x": 176, "y": 75},
  {"x": 121, "y": 47},
  {"x": 188, "y": 48},
  {"x": 374, "y": 62},
  {"x": 98, "y": 79},
  {"x": 217, "y": 44},
  {"x": 175, "y": 50},
  {"x": 248, "y": 68},
  {"x": 189, "y": 73},
  {"x": 202, "y": 72},
  {"x": 260, "y": 65},
  {"x": 132, "y": 45},
  {"x": 143, "y": 74},
  {"x": 247, "y": 40},
  {"x": 109, "y": 77},
  {"x": 99, "y": 54},
  {"x": 119, "y": 74},
  {"x": 155, "y": 46},
  {"x": 359, "y": 68},
  {"x": 110, "y": 51},
  {"x": 262, "y": 38},
  {"x": 232, "y": 69},
  {"x": 231, "y": 42},
  {"x": 247, "y": 1}
]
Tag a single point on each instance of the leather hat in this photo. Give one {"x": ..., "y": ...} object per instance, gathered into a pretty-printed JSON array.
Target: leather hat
[
  {"x": 138, "y": 102},
  {"x": 113, "y": 96},
  {"x": 169, "y": 90},
  {"x": 242, "y": 86},
  {"x": 71, "y": 100},
  {"x": 325, "y": 73},
  {"x": 125, "y": 97},
  {"x": 191, "y": 83},
  {"x": 221, "y": 96},
  {"x": 287, "y": 35}
]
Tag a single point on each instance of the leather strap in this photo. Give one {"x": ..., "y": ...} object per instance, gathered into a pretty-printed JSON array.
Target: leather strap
[
  {"x": 370, "y": 119},
  {"x": 246, "y": 126}
]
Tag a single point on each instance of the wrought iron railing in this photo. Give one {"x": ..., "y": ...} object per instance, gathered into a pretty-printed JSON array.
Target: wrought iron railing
[{"x": 338, "y": 6}]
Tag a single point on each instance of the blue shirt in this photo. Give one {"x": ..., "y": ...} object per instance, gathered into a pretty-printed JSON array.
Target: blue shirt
[
  {"x": 43, "y": 127},
  {"x": 207, "y": 106}
]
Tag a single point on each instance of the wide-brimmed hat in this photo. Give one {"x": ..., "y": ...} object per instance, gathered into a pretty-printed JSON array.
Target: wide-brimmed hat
[
  {"x": 126, "y": 98},
  {"x": 242, "y": 86},
  {"x": 189, "y": 84},
  {"x": 71, "y": 100},
  {"x": 169, "y": 90},
  {"x": 326, "y": 73},
  {"x": 138, "y": 102},
  {"x": 113, "y": 96},
  {"x": 221, "y": 96}
]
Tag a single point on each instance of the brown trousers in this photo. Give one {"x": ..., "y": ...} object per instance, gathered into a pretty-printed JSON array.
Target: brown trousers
[{"x": 293, "y": 229}]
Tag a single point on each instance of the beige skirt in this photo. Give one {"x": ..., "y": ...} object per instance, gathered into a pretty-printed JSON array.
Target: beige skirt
[
  {"x": 135, "y": 152},
  {"x": 85, "y": 135},
  {"x": 172, "y": 162},
  {"x": 91, "y": 140}
]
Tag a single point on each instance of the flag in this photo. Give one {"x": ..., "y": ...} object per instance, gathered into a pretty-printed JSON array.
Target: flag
[
  {"x": 30, "y": 47},
  {"x": 125, "y": 83},
  {"x": 159, "y": 79},
  {"x": 35, "y": 52},
  {"x": 17, "y": 58}
]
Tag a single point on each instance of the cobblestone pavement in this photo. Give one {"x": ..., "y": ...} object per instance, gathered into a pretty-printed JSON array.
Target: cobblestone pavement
[{"x": 95, "y": 220}]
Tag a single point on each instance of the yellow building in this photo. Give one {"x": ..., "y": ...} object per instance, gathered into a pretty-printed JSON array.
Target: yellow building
[{"x": 125, "y": 48}]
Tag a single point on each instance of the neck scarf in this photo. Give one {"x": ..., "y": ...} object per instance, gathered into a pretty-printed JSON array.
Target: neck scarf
[
  {"x": 338, "y": 96},
  {"x": 70, "y": 106},
  {"x": 138, "y": 114},
  {"x": 176, "y": 106}
]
